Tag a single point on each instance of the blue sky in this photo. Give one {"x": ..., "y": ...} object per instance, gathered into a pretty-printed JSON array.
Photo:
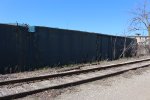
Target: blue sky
[{"x": 101, "y": 16}]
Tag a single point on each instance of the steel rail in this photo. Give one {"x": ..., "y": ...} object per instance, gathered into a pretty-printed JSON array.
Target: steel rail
[
  {"x": 42, "y": 77},
  {"x": 74, "y": 83}
]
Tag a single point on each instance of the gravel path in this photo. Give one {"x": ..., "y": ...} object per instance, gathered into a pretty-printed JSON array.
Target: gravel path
[{"x": 133, "y": 85}]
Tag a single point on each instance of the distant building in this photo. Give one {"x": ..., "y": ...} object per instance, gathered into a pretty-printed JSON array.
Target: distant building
[
  {"x": 143, "y": 47},
  {"x": 141, "y": 40}
]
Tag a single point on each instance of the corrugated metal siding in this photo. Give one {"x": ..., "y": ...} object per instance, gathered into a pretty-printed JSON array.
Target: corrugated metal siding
[{"x": 22, "y": 50}]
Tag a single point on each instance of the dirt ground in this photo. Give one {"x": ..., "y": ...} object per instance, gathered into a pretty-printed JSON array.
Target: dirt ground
[{"x": 132, "y": 85}]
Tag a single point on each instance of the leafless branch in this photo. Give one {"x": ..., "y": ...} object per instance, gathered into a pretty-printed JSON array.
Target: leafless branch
[{"x": 141, "y": 19}]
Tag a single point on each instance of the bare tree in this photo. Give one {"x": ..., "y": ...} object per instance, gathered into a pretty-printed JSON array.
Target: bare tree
[{"x": 141, "y": 18}]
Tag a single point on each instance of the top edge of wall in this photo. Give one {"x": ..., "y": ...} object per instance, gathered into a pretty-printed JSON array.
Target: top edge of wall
[{"x": 68, "y": 30}]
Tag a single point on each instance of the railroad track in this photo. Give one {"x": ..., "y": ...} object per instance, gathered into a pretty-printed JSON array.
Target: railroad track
[{"x": 17, "y": 88}]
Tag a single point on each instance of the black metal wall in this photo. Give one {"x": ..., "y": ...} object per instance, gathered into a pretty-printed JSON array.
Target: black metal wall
[{"x": 22, "y": 50}]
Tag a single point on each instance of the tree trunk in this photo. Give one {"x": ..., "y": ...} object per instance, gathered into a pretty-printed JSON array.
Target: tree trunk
[
  {"x": 149, "y": 30},
  {"x": 149, "y": 38}
]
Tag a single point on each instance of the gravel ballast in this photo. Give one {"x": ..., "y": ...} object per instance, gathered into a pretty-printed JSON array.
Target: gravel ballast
[{"x": 132, "y": 85}]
